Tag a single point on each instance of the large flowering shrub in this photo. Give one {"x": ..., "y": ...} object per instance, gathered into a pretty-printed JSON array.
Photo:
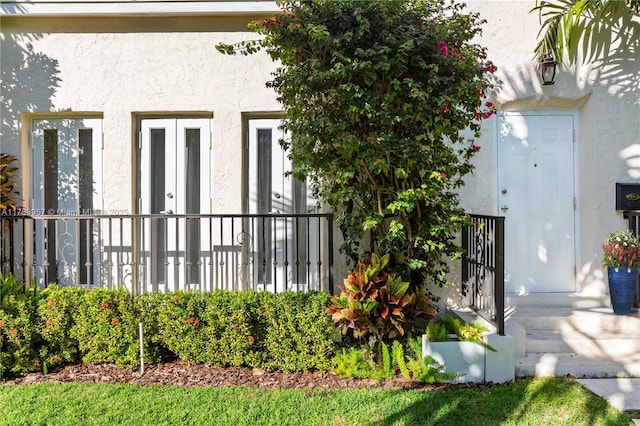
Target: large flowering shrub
[
  {"x": 377, "y": 95},
  {"x": 620, "y": 250}
]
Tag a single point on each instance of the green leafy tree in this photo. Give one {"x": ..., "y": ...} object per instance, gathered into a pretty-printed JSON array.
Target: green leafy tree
[
  {"x": 592, "y": 28},
  {"x": 377, "y": 94}
]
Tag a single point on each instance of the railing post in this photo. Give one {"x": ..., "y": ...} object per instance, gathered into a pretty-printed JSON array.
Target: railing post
[
  {"x": 499, "y": 275},
  {"x": 330, "y": 243},
  {"x": 465, "y": 261}
]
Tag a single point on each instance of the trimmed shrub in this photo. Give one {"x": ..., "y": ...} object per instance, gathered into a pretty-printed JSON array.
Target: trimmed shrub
[
  {"x": 233, "y": 327},
  {"x": 287, "y": 331},
  {"x": 106, "y": 328},
  {"x": 20, "y": 342},
  {"x": 300, "y": 335},
  {"x": 56, "y": 314},
  {"x": 180, "y": 324}
]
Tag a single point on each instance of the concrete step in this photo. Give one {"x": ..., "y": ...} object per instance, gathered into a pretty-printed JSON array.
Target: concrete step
[
  {"x": 577, "y": 365},
  {"x": 587, "y": 320},
  {"x": 575, "y": 300},
  {"x": 605, "y": 344}
]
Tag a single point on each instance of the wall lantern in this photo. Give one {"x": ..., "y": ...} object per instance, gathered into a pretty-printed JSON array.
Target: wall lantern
[{"x": 548, "y": 70}]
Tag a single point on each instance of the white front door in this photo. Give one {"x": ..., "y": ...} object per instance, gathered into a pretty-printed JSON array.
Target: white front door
[
  {"x": 175, "y": 179},
  {"x": 285, "y": 248},
  {"x": 536, "y": 196},
  {"x": 66, "y": 179}
]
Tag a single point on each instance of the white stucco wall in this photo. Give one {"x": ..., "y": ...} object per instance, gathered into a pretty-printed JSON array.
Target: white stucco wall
[
  {"x": 120, "y": 71},
  {"x": 608, "y": 129}
]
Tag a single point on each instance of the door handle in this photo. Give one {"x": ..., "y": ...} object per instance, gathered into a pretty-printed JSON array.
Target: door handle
[
  {"x": 166, "y": 211},
  {"x": 504, "y": 208}
]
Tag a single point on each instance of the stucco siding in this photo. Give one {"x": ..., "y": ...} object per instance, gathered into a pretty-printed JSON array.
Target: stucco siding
[
  {"x": 124, "y": 73},
  {"x": 125, "y": 67}
]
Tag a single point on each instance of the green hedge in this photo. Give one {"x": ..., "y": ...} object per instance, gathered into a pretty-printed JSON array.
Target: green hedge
[{"x": 289, "y": 331}]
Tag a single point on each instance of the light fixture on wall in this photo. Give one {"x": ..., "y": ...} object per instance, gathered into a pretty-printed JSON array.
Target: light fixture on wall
[{"x": 548, "y": 69}]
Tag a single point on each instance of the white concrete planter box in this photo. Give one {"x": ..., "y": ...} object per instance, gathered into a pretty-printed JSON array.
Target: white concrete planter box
[
  {"x": 473, "y": 362},
  {"x": 464, "y": 358}
]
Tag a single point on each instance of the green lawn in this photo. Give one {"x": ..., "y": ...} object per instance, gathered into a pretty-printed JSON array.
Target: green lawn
[{"x": 528, "y": 402}]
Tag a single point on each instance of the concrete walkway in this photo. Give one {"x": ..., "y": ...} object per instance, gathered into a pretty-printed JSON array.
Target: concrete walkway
[{"x": 622, "y": 393}]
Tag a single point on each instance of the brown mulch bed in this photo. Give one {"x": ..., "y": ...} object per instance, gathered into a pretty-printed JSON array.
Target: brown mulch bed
[{"x": 180, "y": 373}]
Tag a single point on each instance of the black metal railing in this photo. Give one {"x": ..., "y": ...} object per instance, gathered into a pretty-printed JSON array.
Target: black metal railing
[
  {"x": 633, "y": 218},
  {"x": 147, "y": 253},
  {"x": 483, "y": 268}
]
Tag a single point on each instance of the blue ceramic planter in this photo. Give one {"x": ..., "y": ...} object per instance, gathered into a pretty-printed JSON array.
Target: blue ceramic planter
[{"x": 622, "y": 289}]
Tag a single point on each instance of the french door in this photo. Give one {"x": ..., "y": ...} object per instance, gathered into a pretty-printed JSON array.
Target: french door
[
  {"x": 175, "y": 179},
  {"x": 285, "y": 248},
  {"x": 66, "y": 179}
]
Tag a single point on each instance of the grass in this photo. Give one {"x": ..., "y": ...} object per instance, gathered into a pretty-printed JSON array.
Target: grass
[{"x": 541, "y": 401}]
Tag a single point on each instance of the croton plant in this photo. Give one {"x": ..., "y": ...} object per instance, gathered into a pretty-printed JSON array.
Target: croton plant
[
  {"x": 376, "y": 305},
  {"x": 8, "y": 182}
]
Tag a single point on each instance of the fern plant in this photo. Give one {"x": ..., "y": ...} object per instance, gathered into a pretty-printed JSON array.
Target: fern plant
[{"x": 440, "y": 330}]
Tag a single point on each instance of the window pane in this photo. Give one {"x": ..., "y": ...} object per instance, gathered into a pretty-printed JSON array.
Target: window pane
[
  {"x": 51, "y": 170},
  {"x": 192, "y": 201},
  {"x": 265, "y": 186},
  {"x": 192, "y": 190},
  {"x": 265, "y": 189},
  {"x": 86, "y": 184},
  {"x": 50, "y": 178},
  {"x": 157, "y": 169},
  {"x": 157, "y": 180}
]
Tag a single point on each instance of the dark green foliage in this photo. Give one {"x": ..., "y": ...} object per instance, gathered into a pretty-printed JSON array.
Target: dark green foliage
[
  {"x": 289, "y": 331},
  {"x": 57, "y": 310},
  {"x": 106, "y": 328},
  {"x": 377, "y": 96},
  {"x": 299, "y": 335},
  {"x": 20, "y": 342},
  {"x": 219, "y": 328},
  {"x": 180, "y": 319}
]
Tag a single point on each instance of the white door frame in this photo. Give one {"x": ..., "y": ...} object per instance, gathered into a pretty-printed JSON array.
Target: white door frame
[
  {"x": 281, "y": 252},
  {"x": 549, "y": 113},
  {"x": 175, "y": 157},
  {"x": 68, "y": 154}
]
